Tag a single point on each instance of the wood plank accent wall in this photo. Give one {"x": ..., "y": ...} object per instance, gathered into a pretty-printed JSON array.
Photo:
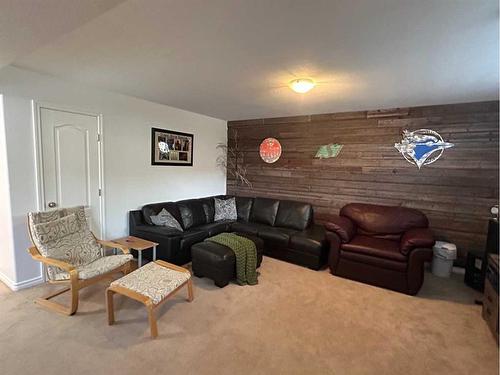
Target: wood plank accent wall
[{"x": 456, "y": 192}]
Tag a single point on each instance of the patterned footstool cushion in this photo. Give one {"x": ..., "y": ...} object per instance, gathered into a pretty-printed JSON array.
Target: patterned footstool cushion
[{"x": 153, "y": 281}]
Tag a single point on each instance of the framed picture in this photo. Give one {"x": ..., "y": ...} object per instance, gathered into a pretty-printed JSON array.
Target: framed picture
[{"x": 171, "y": 148}]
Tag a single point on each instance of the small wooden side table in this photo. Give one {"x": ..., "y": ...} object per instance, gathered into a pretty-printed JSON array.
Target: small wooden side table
[{"x": 137, "y": 244}]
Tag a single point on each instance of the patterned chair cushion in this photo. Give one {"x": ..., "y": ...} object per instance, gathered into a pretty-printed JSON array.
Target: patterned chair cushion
[
  {"x": 98, "y": 267},
  {"x": 68, "y": 239},
  {"x": 48, "y": 233},
  {"x": 153, "y": 281},
  {"x": 63, "y": 234}
]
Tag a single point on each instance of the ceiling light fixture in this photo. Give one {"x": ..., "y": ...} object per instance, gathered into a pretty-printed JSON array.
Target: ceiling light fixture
[{"x": 302, "y": 85}]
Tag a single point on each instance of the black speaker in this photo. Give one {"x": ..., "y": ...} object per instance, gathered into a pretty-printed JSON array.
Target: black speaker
[
  {"x": 492, "y": 239},
  {"x": 475, "y": 267}
]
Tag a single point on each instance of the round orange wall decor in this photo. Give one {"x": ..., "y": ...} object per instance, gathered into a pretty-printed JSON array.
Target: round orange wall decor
[{"x": 270, "y": 150}]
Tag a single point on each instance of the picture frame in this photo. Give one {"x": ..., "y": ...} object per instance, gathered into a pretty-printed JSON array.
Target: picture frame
[{"x": 170, "y": 147}]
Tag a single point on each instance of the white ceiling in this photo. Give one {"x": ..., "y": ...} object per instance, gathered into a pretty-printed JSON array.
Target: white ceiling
[
  {"x": 26, "y": 25},
  {"x": 232, "y": 59}
]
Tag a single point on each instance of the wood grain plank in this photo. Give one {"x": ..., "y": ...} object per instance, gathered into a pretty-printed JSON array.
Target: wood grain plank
[{"x": 456, "y": 192}]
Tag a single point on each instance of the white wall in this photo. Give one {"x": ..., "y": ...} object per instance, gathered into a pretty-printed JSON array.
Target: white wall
[
  {"x": 129, "y": 179},
  {"x": 22, "y": 183},
  {"x": 7, "y": 265}
]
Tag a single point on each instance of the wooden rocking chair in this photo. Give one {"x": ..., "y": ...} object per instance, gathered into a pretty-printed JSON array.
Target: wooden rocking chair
[{"x": 71, "y": 254}]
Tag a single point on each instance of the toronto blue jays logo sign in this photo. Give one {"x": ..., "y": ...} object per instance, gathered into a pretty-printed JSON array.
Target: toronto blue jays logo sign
[{"x": 422, "y": 146}]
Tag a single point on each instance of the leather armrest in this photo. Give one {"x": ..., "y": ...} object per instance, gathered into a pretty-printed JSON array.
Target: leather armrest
[
  {"x": 343, "y": 226},
  {"x": 417, "y": 237}
]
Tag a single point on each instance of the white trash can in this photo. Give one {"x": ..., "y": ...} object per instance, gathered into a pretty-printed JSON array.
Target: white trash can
[{"x": 444, "y": 255}]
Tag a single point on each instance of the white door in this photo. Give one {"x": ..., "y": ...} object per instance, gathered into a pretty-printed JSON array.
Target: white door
[{"x": 71, "y": 163}]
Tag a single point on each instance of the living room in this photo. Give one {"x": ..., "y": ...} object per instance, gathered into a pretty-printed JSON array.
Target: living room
[{"x": 320, "y": 181}]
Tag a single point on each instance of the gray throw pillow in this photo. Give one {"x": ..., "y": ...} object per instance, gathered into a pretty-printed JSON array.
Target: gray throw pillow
[
  {"x": 165, "y": 219},
  {"x": 225, "y": 209}
]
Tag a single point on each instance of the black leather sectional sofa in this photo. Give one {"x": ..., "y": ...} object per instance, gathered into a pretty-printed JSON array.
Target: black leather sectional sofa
[{"x": 286, "y": 227}]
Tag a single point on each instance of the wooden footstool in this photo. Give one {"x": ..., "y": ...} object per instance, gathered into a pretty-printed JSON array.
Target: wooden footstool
[{"x": 151, "y": 284}]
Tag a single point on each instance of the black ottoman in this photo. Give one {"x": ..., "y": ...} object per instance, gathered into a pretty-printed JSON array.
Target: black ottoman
[{"x": 218, "y": 262}]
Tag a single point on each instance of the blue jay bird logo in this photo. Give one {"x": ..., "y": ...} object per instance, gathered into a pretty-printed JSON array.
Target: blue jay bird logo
[{"x": 422, "y": 147}]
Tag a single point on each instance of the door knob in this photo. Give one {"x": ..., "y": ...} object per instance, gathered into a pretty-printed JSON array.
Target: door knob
[{"x": 52, "y": 204}]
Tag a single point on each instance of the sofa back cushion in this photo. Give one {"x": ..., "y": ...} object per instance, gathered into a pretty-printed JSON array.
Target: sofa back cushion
[
  {"x": 192, "y": 213},
  {"x": 244, "y": 208},
  {"x": 388, "y": 222},
  {"x": 155, "y": 208},
  {"x": 295, "y": 215},
  {"x": 208, "y": 208},
  {"x": 264, "y": 210}
]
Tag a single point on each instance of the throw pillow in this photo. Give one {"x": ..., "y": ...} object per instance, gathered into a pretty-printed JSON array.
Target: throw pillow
[
  {"x": 225, "y": 209},
  {"x": 165, "y": 219}
]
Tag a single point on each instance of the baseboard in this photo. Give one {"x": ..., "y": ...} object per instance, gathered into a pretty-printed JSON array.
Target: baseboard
[{"x": 22, "y": 284}]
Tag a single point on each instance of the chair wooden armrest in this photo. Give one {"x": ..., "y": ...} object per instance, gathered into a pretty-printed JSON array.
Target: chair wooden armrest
[
  {"x": 172, "y": 266},
  {"x": 35, "y": 254},
  {"x": 114, "y": 245}
]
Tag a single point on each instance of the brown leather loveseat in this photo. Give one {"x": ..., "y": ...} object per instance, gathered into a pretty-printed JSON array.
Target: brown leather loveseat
[{"x": 380, "y": 245}]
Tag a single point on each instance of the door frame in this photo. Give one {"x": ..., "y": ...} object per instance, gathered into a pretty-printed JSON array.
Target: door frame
[{"x": 37, "y": 106}]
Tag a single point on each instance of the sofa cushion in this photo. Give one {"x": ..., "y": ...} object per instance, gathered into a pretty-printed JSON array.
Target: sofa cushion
[
  {"x": 311, "y": 240},
  {"x": 264, "y": 211},
  {"x": 216, "y": 228},
  {"x": 191, "y": 237},
  {"x": 209, "y": 208},
  {"x": 157, "y": 230},
  {"x": 244, "y": 207},
  {"x": 379, "y": 220},
  {"x": 376, "y": 247},
  {"x": 154, "y": 209},
  {"x": 192, "y": 213},
  {"x": 249, "y": 228},
  {"x": 296, "y": 215},
  {"x": 275, "y": 236},
  {"x": 225, "y": 209}
]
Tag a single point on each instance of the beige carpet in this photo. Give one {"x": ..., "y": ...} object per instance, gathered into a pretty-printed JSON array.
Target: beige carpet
[{"x": 296, "y": 321}]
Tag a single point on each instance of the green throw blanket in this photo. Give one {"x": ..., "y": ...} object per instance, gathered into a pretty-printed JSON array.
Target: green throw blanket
[{"x": 246, "y": 256}]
